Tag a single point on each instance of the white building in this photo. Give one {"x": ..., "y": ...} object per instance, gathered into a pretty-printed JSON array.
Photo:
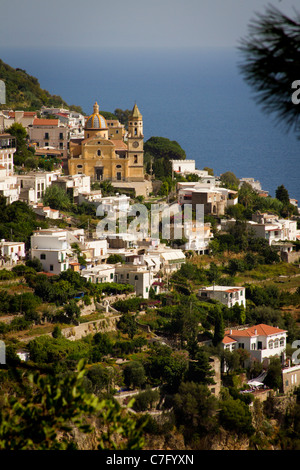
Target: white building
[
  {"x": 45, "y": 211},
  {"x": 261, "y": 341},
  {"x": 74, "y": 185},
  {"x": 9, "y": 186},
  {"x": 198, "y": 238},
  {"x": 51, "y": 247},
  {"x": 228, "y": 296},
  {"x": 170, "y": 259},
  {"x": 99, "y": 274},
  {"x": 34, "y": 184},
  {"x": 95, "y": 249},
  {"x": 140, "y": 277},
  {"x": 272, "y": 228},
  {"x": 255, "y": 184},
  {"x": 12, "y": 251}
]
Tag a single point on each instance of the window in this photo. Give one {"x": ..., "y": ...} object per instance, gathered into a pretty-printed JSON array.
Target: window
[
  {"x": 276, "y": 343},
  {"x": 241, "y": 345},
  {"x": 61, "y": 136},
  {"x": 79, "y": 166},
  {"x": 46, "y": 135},
  {"x": 51, "y": 267},
  {"x": 282, "y": 342},
  {"x": 136, "y": 278},
  {"x": 61, "y": 145},
  {"x": 42, "y": 256},
  {"x": 135, "y": 159},
  {"x": 99, "y": 153},
  {"x": 111, "y": 275},
  {"x": 271, "y": 344}
]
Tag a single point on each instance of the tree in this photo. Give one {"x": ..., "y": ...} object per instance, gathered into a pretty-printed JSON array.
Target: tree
[
  {"x": 134, "y": 375},
  {"x": 161, "y": 150},
  {"x": 219, "y": 326},
  {"x": 230, "y": 180},
  {"x": 282, "y": 194},
  {"x": 127, "y": 324},
  {"x": 236, "y": 416},
  {"x": 114, "y": 259},
  {"x": 274, "y": 375},
  {"x": 200, "y": 369},
  {"x": 20, "y": 133},
  {"x": 56, "y": 198},
  {"x": 271, "y": 53},
  {"x": 195, "y": 408}
]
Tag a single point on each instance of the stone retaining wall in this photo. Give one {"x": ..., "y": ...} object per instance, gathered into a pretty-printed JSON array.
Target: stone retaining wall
[{"x": 91, "y": 327}]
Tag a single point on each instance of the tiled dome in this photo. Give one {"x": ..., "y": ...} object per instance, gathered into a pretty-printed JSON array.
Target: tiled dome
[{"x": 96, "y": 121}]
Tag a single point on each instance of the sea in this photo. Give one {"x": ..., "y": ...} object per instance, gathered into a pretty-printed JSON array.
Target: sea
[{"x": 197, "y": 97}]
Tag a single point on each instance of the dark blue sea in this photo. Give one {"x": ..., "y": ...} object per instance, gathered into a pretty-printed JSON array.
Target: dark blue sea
[{"x": 196, "y": 97}]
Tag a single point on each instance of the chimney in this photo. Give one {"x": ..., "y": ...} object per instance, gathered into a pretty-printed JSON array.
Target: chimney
[{"x": 255, "y": 331}]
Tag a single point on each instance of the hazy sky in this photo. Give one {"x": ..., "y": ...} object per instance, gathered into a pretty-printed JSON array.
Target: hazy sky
[{"x": 129, "y": 23}]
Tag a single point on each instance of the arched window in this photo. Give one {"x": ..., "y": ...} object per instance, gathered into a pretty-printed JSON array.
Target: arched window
[
  {"x": 282, "y": 342},
  {"x": 136, "y": 277},
  {"x": 271, "y": 344},
  {"x": 276, "y": 343},
  {"x": 98, "y": 153}
]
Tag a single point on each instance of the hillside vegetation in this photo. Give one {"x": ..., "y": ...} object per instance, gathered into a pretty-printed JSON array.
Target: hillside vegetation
[{"x": 24, "y": 91}]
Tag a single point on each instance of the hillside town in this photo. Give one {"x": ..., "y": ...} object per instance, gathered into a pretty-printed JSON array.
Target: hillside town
[{"x": 99, "y": 165}]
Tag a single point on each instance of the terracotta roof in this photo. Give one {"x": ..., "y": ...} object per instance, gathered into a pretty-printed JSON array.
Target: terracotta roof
[
  {"x": 45, "y": 122},
  {"x": 119, "y": 144},
  {"x": 227, "y": 340},
  {"x": 25, "y": 114},
  {"x": 261, "y": 330}
]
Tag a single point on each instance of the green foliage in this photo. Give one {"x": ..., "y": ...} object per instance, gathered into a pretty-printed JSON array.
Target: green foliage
[
  {"x": 53, "y": 405},
  {"x": 129, "y": 305},
  {"x": 123, "y": 115},
  {"x": 165, "y": 366},
  {"x": 195, "y": 409},
  {"x": 134, "y": 375},
  {"x": 128, "y": 325},
  {"x": 24, "y": 92},
  {"x": 145, "y": 400},
  {"x": 271, "y": 63},
  {"x": 274, "y": 376},
  {"x": 18, "y": 222},
  {"x": 229, "y": 180},
  {"x": 236, "y": 416},
  {"x": 114, "y": 259},
  {"x": 162, "y": 150},
  {"x": 56, "y": 198}
]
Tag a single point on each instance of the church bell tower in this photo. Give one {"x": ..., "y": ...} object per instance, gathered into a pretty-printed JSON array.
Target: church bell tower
[{"x": 136, "y": 145}]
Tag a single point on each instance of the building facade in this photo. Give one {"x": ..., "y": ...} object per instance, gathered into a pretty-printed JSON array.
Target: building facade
[
  {"x": 51, "y": 247},
  {"x": 105, "y": 155}
]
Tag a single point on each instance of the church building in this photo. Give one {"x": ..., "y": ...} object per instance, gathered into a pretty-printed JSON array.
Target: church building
[{"x": 107, "y": 152}]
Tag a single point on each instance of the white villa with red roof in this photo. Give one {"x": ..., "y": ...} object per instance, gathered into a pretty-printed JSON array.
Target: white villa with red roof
[{"x": 261, "y": 341}]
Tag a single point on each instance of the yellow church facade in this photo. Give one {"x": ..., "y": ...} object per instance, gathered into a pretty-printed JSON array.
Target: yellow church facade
[{"x": 107, "y": 152}]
